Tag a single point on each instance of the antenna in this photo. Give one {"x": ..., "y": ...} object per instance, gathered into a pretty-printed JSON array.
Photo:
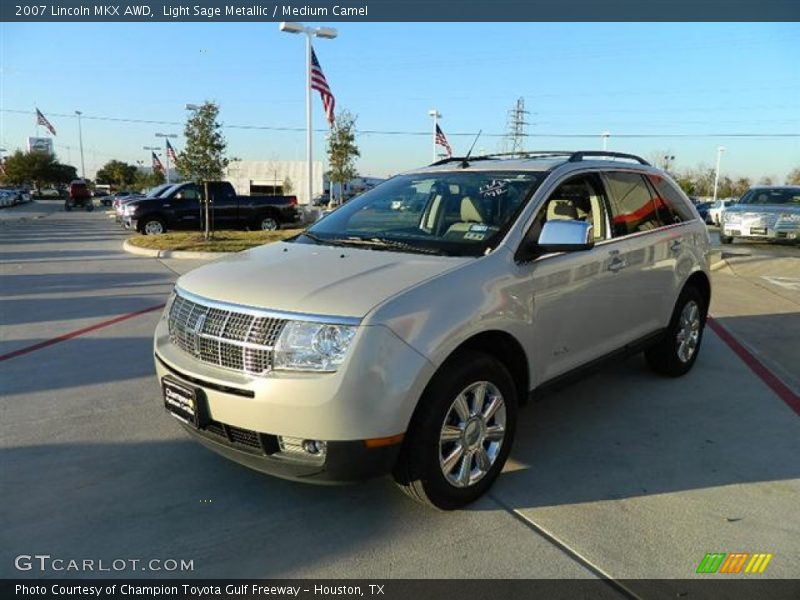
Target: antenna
[{"x": 465, "y": 163}]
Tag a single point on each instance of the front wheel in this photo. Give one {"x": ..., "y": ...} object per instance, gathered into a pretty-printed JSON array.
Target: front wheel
[
  {"x": 153, "y": 227},
  {"x": 89, "y": 207},
  {"x": 461, "y": 433},
  {"x": 675, "y": 354},
  {"x": 67, "y": 206},
  {"x": 725, "y": 239}
]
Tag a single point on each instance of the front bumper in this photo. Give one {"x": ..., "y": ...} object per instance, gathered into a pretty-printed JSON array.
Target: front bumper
[
  {"x": 371, "y": 397},
  {"x": 781, "y": 231}
]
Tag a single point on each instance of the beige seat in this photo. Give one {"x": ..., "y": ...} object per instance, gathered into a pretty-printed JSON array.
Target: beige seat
[
  {"x": 470, "y": 215},
  {"x": 561, "y": 210}
]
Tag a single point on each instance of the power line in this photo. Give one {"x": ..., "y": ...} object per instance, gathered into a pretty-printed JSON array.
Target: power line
[{"x": 540, "y": 134}]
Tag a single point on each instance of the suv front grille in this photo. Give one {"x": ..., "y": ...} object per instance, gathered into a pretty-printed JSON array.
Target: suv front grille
[{"x": 226, "y": 338}]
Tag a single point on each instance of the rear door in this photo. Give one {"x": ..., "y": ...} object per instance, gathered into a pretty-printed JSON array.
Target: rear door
[
  {"x": 224, "y": 205},
  {"x": 650, "y": 263}
]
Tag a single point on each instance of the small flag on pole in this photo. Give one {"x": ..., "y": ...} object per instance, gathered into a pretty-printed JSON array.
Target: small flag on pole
[
  {"x": 171, "y": 154},
  {"x": 440, "y": 140},
  {"x": 41, "y": 120},
  {"x": 319, "y": 83},
  {"x": 157, "y": 166}
]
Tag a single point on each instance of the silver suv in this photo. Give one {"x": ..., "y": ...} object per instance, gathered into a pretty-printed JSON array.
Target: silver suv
[{"x": 400, "y": 333}]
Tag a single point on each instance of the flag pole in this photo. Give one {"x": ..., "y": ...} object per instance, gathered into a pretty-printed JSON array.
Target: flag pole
[{"x": 309, "y": 151}]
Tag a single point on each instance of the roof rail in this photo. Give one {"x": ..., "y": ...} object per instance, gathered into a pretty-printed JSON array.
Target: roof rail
[{"x": 579, "y": 156}]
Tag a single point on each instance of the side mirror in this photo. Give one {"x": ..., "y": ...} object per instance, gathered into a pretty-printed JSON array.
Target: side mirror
[
  {"x": 556, "y": 236},
  {"x": 566, "y": 236}
]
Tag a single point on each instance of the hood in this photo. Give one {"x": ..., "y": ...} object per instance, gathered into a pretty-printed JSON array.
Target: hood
[
  {"x": 763, "y": 208},
  {"x": 327, "y": 280}
]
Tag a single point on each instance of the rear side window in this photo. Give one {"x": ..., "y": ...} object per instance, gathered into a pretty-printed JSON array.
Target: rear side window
[
  {"x": 670, "y": 205},
  {"x": 633, "y": 208}
]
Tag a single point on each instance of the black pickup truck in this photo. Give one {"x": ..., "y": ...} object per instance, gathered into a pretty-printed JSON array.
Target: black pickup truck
[{"x": 182, "y": 207}]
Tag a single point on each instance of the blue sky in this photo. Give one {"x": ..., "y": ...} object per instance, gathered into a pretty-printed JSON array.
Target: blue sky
[{"x": 576, "y": 78}]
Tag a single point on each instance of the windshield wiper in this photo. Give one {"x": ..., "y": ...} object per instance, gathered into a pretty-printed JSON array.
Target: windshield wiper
[
  {"x": 323, "y": 241},
  {"x": 379, "y": 242}
]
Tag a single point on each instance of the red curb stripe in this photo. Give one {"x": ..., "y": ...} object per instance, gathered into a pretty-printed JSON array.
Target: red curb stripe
[
  {"x": 78, "y": 332},
  {"x": 776, "y": 385}
]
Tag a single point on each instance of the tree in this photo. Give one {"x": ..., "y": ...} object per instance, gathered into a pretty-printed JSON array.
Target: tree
[
  {"x": 117, "y": 173},
  {"x": 37, "y": 168},
  {"x": 793, "y": 178},
  {"x": 342, "y": 149},
  {"x": 148, "y": 179},
  {"x": 766, "y": 180},
  {"x": 203, "y": 157},
  {"x": 287, "y": 186},
  {"x": 741, "y": 186}
]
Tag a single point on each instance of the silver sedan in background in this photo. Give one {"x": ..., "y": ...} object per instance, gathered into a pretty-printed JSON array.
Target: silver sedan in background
[{"x": 764, "y": 212}]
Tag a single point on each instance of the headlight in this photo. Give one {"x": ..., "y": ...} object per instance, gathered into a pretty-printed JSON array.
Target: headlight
[
  {"x": 312, "y": 346},
  {"x": 128, "y": 210},
  {"x": 730, "y": 217},
  {"x": 791, "y": 217}
]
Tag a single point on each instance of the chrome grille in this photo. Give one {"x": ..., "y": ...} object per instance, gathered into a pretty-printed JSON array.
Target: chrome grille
[{"x": 226, "y": 338}]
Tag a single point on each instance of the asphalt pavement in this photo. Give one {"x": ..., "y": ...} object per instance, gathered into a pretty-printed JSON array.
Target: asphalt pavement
[{"x": 623, "y": 475}]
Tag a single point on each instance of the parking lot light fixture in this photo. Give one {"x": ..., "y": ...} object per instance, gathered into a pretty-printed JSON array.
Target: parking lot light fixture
[
  {"x": 166, "y": 137},
  {"x": 605, "y": 135},
  {"x": 327, "y": 33},
  {"x": 436, "y": 116},
  {"x": 80, "y": 142},
  {"x": 720, "y": 150}
]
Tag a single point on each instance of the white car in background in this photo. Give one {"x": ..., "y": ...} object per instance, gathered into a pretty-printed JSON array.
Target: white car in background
[{"x": 717, "y": 209}]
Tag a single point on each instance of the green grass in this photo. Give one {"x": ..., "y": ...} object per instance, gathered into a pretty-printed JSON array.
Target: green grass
[{"x": 223, "y": 241}]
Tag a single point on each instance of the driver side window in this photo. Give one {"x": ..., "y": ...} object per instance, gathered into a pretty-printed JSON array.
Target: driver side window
[{"x": 579, "y": 198}]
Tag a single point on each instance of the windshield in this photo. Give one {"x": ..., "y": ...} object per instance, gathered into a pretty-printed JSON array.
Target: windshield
[
  {"x": 157, "y": 191},
  {"x": 453, "y": 213},
  {"x": 772, "y": 196}
]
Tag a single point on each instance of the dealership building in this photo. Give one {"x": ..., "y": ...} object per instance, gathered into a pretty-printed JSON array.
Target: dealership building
[{"x": 254, "y": 177}]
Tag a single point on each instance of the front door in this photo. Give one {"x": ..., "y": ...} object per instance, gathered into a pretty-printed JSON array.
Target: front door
[{"x": 578, "y": 297}]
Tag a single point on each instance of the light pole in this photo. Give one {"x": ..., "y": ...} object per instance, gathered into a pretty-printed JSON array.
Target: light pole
[
  {"x": 80, "y": 142},
  {"x": 166, "y": 137},
  {"x": 720, "y": 150},
  {"x": 605, "y": 135},
  {"x": 436, "y": 115},
  {"x": 322, "y": 32}
]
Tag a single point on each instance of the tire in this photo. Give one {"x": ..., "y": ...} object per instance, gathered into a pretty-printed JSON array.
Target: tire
[
  {"x": 675, "y": 354},
  {"x": 725, "y": 239},
  {"x": 152, "y": 226},
  {"x": 267, "y": 223},
  {"x": 89, "y": 207},
  {"x": 67, "y": 206},
  {"x": 421, "y": 470}
]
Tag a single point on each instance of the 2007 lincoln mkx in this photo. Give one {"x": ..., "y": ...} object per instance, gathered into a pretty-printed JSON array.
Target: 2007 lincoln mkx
[{"x": 400, "y": 333}]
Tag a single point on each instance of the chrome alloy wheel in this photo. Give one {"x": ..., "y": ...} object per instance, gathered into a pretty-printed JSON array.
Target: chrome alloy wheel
[
  {"x": 688, "y": 331},
  {"x": 153, "y": 228},
  {"x": 472, "y": 434}
]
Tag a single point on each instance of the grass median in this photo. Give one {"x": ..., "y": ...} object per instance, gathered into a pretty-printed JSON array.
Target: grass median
[{"x": 223, "y": 241}]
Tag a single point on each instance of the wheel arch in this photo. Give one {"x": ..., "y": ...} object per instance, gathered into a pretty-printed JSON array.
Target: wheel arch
[
  {"x": 700, "y": 280},
  {"x": 504, "y": 347}
]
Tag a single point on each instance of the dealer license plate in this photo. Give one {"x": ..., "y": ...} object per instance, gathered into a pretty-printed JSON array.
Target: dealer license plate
[{"x": 181, "y": 400}]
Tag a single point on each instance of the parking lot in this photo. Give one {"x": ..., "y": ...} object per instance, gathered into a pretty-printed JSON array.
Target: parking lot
[{"x": 622, "y": 475}]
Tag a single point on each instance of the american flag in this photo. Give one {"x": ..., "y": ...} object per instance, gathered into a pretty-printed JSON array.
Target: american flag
[
  {"x": 157, "y": 166},
  {"x": 440, "y": 140},
  {"x": 319, "y": 83},
  {"x": 171, "y": 154},
  {"x": 41, "y": 120}
]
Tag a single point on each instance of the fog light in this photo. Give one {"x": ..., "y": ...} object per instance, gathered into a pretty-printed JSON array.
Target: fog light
[{"x": 314, "y": 447}]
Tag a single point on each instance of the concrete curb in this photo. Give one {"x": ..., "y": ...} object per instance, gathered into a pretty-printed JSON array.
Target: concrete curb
[
  {"x": 131, "y": 249},
  {"x": 715, "y": 260}
]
